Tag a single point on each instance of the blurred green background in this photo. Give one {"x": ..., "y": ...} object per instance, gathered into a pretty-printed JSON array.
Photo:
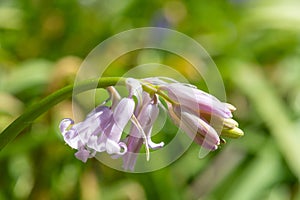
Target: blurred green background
[{"x": 256, "y": 46}]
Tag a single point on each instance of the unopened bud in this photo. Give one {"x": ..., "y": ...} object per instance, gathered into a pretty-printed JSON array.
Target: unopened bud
[
  {"x": 230, "y": 107},
  {"x": 230, "y": 123},
  {"x": 232, "y": 133}
]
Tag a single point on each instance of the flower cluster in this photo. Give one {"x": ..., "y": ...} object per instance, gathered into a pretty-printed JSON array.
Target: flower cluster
[{"x": 202, "y": 116}]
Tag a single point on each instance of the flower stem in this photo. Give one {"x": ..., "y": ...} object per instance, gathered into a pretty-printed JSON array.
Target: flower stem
[
  {"x": 41, "y": 107},
  {"x": 147, "y": 87}
]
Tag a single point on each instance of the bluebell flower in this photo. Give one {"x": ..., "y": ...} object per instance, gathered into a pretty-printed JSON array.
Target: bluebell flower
[
  {"x": 200, "y": 115},
  {"x": 100, "y": 131}
]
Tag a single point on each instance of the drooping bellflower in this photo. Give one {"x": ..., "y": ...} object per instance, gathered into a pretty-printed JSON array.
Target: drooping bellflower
[{"x": 200, "y": 115}]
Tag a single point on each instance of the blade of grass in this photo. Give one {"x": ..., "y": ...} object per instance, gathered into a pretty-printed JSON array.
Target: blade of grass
[
  {"x": 258, "y": 176},
  {"x": 250, "y": 79}
]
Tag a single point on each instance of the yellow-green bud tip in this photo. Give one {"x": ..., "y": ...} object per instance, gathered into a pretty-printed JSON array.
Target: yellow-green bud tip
[{"x": 232, "y": 133}]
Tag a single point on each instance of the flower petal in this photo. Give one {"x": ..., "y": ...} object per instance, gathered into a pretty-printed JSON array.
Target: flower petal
[
  {"x": 196, "y": 100},
  {"x": 112, "y": 147},
  {"x": 82, "y": 155},
  {"x": 64, "y": 124},
  {"x": 121, "y": 117},
  {"x": 135, "y": 88},
  {"x": 72, "y": 139},
  {"x": 201, "y": 127}
]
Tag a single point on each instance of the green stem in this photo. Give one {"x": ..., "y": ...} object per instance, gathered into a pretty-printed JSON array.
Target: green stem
[
  {"x": 147, "y": 87},
  {"x": 41, "y": 107}
]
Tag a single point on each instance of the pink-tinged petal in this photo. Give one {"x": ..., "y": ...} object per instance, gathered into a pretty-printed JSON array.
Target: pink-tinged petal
[
  {"x": 134, "y": 145},
  {"x": 155, "y": 81},
  {"x": 64, "y": 124},
  {"x": 93, "y": 143},
  {"x": 123, "y": 112},
  {"x": 196, "y": 100},
  {"x": 194, "y": 127},
  {"x": 72, "y": 139},
  {"x": 145, "y": 100},
  {"x": 121, "y": 117},
  {"x": 129, "y": 160},
  {"x": 205, "y": 143},
  {"x": 153, "y": 145},
  {"x": 151, "y": 114},
  {"x": 198, "y": 125},
  {"x": 101, "y": 147},
  {"x": 146, "y": 118},
  {"x": 114, "y": 96},
  {"x": 160, "y": 80},
  {"x": 85, "y": 136},
  {"x": 124, "y": 148},
  {"x": 112, "y": 147},
  {"x": 82, "y": 155},
  {"x": 148, "y": 115},
  {"x": 70, "y": 135},
  {"x": 135, "y": 88},
  {"x": 100, "y": 111},
  {"x": 103, "y": 114},
  {"x": 87, "y": 128},
  {"x": 93, "y": 127}
]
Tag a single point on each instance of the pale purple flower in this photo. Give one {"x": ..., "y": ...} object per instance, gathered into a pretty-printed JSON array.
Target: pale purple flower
[
  {"x": 100, "y": 131},
  {"x": 81, "y": 136},
  {"x": 196, "y": 100},
  {"x": 146, "y": 116},
  {"x": 192, "y": 110},
  {"x": 121, "y": 117},
  {"x": 145, "y": 113},
  {"x": 196, "y": 128}
]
